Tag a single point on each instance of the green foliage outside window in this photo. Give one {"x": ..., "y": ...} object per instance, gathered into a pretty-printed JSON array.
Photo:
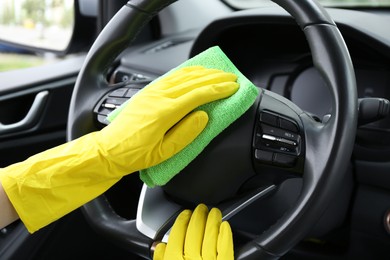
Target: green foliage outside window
[{"x": 32, "y": 12}]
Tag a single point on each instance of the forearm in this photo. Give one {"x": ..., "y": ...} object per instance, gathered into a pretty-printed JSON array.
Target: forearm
[
  {"x": 7, "y": 212},
  {"x": 53, "y": 183}
]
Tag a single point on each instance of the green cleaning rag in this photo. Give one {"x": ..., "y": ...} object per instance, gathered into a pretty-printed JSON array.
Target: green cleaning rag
[{"x": 221, "y": 114}]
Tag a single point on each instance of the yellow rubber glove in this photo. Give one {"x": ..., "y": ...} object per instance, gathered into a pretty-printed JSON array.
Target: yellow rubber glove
[
  {"x": 155, "y": 125},
  {"x": 198, "y": 235}
]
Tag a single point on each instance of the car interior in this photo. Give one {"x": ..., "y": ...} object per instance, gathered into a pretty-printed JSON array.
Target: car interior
[{"x": 303, "y": 174}]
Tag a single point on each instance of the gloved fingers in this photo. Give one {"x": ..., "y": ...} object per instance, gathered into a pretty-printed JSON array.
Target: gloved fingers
[
  {"x": 176, "y": 240},
  {"x": 213, "y": 77},
  {"x": 175, "y": 79},
  {"x": 159, "y": 251},
  {"x": 225, "y": 242},
  {"x": 206, "y": 94},
  {"x": 182, "y": 105},
  {"x": 197, "y": 97},
  {"x": 183, "y": 133},
  {"x": 195, "y": 233},
  {"x": 201, "y": 96},
  {"x": 183, "y": 90},
  {"x": 209, "y": 248}
]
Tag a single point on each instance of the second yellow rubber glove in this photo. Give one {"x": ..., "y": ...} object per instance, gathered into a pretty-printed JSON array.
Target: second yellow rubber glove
[
  {"x": 199, "y": 235},
  {"x": 155, "y": 125}
]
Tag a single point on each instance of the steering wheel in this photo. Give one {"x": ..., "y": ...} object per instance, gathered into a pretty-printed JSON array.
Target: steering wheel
[{"x": 273, "y": 133}]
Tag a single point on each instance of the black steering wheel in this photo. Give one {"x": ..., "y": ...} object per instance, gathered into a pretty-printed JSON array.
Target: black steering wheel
[{"x": 273, "y": 133}]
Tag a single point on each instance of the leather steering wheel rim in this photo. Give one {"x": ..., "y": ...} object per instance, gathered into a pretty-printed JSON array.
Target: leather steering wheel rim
[{"x": 332, "y": 141}]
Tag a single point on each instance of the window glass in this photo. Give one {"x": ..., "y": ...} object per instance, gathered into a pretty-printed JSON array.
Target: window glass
[{"x": 45, "y": 25}]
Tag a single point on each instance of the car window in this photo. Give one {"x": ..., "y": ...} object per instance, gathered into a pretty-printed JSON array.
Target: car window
[{"x": 45, "y": 26}]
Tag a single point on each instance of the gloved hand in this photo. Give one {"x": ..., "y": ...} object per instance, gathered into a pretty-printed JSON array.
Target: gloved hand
[
  {"x": 164, "y": 103},
  {"x": 155, "y": 125},
  {"x": 200, "y": 235}
]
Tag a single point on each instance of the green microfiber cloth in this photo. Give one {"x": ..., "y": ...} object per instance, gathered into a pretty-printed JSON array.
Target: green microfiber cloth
[{"x": 221, "y": 114}]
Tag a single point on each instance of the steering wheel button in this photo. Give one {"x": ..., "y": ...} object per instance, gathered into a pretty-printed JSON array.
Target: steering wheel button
[
  {"x": 269, "y": 119},
  {"x": 264, "y": 156},
  {"x": 288, "y": 125},
  {"x": 269, "y": 130},
  {"x": 120, "y": 92},
  {"x": 285, "y": 141},
  {"x": 269, "y": 137},
  {"x": 278, "y": 132},
  {"x": 284, "y": 159},
  {"x": 104, "y": 111},
  {"x": 109, "y": 106},
  {"x": 115, "y": 101},
  {"x": 131, "y": 92}
]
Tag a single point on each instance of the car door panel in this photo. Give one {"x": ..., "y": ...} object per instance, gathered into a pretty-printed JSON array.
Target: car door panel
[{"x": 33, "y": 109}]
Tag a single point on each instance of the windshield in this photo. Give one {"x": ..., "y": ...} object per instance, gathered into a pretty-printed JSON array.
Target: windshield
[{"x": 245, "y": 4}]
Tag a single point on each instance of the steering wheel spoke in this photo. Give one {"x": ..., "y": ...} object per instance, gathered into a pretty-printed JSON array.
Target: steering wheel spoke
[
  {"x": 279, "y": 138},
  {"x": 234, "y": 206}
]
